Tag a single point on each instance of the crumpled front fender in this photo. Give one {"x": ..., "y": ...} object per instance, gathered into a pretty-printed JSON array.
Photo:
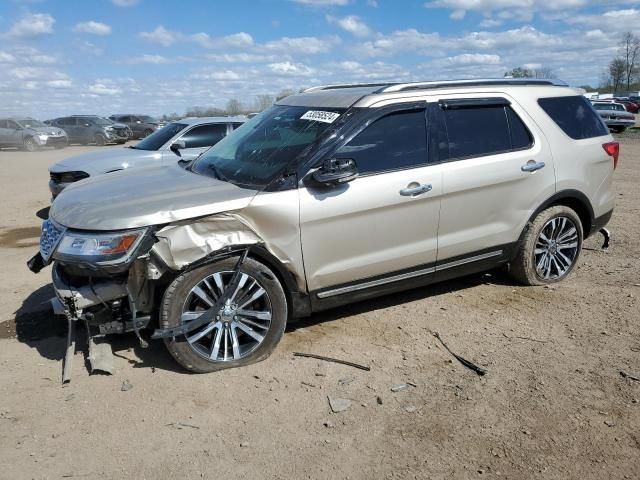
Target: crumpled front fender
[{"x": 183, "y": 243}]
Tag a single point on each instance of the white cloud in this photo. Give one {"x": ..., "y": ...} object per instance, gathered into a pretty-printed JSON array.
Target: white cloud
[
  {"x": 474, "y": 59},
  {"x": 223, "y": 75},
  {"x": 303, "y": 45},
  {"x": 94, "y": 28},
  {"x": 352, "y": 24},
  {"x": 490, "y": 23},
  {"x": 152, "y": 59},
  {"x": 236, "y": 40},
  {"x": 291, "y": 69},
  {"x": 105, "y": 88},
  {"x": 6, "y": 57},
  {"x": 125, "y": 3},
  {"x": 161, "y": 36},
  {"x": 32, "y": 25}
]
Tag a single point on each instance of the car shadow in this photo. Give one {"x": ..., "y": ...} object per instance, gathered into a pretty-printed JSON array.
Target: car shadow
[
  {"x": 495, "y": 277},
  {"x": 38, "y": 327}
]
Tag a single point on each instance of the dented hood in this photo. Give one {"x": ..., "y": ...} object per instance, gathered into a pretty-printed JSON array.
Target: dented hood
[{"x": 144, "y": 197}]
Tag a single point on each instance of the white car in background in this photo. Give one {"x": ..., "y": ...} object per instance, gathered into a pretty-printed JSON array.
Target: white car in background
[
  {"x": 183, "y": 139},
  {"x": 615, "y": 115}
]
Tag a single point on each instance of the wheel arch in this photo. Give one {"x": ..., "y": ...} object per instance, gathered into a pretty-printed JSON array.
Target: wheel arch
[{"x": 573, "y": 199}]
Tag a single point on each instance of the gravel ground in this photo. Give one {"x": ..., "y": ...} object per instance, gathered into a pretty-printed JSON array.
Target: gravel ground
[{"x": 553, "y": 404}]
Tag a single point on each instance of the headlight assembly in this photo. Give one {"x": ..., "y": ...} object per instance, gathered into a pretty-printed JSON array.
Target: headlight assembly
[{"x": 99, "y": 248}]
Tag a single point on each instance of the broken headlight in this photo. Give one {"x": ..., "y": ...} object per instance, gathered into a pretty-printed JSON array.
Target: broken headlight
[{"x": 99, "y": 248}]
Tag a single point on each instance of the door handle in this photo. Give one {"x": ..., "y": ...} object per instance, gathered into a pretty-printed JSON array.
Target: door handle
[
  {"x": 532, "y": 166},
  {"x": 415, "y": 191}
]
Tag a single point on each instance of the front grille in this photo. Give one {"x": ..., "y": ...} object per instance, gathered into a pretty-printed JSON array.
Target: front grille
[
  {"x": 67, "y": 177},
  {"x": 49, "y": 238}
]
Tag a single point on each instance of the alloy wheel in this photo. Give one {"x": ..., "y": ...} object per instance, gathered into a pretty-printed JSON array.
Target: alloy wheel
[
  {"x": 240, "y": 325},
  {"x": 556, "y": 248}
]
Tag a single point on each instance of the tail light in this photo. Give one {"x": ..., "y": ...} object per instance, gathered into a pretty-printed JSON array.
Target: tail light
[{"x": 613, "y": 150}]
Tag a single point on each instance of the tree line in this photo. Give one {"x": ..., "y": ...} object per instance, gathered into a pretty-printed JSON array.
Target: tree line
[{"x": 623, "y": 72}]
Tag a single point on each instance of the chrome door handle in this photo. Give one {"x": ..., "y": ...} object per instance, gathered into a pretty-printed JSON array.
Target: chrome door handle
[
  {"x": 532, "y": 166},
  {"x": 414, "y": 191}
]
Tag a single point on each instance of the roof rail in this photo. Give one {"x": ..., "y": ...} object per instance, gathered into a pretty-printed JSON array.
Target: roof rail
[
  {"x": 348, "y": 85},
  {"x": 474, "y": 82}
]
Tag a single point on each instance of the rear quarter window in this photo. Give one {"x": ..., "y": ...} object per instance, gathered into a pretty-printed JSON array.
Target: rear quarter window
[{"x": 575, "y": 116}]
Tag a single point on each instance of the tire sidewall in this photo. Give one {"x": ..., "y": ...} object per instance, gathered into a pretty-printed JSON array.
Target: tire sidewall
[
  {"x": 100, "y": 140},
  {"x": 176, "y": 294}
]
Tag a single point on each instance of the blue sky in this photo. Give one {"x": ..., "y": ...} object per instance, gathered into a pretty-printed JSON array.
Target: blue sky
[{"x": 62, "y": 57}]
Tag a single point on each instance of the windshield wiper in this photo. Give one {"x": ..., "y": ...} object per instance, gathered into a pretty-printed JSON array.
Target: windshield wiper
[{"x": 216, "y": 173}]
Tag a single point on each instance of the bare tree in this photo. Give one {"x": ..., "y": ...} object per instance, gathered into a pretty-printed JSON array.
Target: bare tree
[
  {"x": 234, "y": 107},
  {"x": 262, "y": 102},
  {"x": 617, "y": 72},
  {"x": 544, "y": 72},
  {"x": 630, "y": 54},
  {"x": 285, "y": 93}
]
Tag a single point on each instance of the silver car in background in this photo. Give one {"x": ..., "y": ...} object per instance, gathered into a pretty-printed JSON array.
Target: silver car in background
[
  {"x": 183, "y": 139},
  {"x": 615, "y": 115},
  {"x": 30, "y": 134}
]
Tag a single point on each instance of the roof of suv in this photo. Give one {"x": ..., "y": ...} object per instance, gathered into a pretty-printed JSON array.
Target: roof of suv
[{"x": 344, "y": 96}]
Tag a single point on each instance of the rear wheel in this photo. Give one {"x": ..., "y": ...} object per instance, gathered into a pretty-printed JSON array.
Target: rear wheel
[
  {"x": 30, "y": 145},
  {"x": 100, "y": 140},
  {"x": 245, "y": 330},
  {"x": 550, "y": 248}
]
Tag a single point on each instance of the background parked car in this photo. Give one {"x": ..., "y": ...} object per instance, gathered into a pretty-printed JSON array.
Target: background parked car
[
  {"x": 183, "y": 139},
  {"x": 85, "y": 129},
  {"x": 141, "y": 125},
  {"x": 30, "y": 134},
  {"x": 629, "y": 105},
  {"x": 615, "y": 116}
]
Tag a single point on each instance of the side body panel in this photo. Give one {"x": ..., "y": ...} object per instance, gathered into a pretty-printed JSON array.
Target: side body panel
[
  {"x": 366, "y": 228},
  {"x": 488, "y": 200}
]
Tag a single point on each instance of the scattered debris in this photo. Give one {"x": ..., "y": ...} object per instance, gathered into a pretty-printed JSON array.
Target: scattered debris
[
  {"x": 329, "y": 424},
  {"x": 400, "y": 387},
  {"x": 624, "y": 374},
  {"x": 345, "y": 381},
  {"x": 610, "y": 423},
  {"x": 472, "y": 366},
  {"x": 309, "y": 384},
  {"x": 410, "y": 409},
  {"x": 100, "y": 357},
  {"x": 524, "y": 338},
  {"x": 339, "y": 404},
  {"x": 379, "y": 400},
  {"x": 70, "y": 351},
  {"x": 244, "y": 444},
  {"x": 126, "y": 386},
  {"x": 180, "y": 426},
  {"x": 329, "y": 359},
  {"x": 607, "y": 238}
]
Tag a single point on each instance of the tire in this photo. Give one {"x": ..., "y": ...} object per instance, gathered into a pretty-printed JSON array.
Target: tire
[
  {"x": 618, "y": 129},
  {"x": 541, "y": 262},
  {"x": 100, "y": 140},
  {"x": 255, "y": 337},
  {"x": 30, "y": 145}
]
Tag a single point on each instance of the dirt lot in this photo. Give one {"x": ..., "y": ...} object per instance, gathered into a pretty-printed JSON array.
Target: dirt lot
[{"x": 553, "y": 404}]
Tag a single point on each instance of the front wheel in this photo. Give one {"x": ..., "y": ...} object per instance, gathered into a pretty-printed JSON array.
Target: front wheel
[
  {"x": 550, "y": 248},
  {"x": 30, "y": 145},
  {"x": 245, "y": 330},
  {"x": 100, "y": 140}
]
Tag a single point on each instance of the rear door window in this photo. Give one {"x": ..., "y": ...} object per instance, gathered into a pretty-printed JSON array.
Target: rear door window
[
  {"x": 394, "y": 142},
  {"x": 205, "y": 135},
  {"x": 480, "y": 130},
  {"x": 575, "y": 116}
]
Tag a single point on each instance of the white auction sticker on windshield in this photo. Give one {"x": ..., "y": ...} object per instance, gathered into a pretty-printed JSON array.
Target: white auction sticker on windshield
[{"x": 320, "y": 116}]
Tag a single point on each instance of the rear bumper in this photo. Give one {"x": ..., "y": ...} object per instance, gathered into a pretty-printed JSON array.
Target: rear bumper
[{"x": 600, "y": 222}]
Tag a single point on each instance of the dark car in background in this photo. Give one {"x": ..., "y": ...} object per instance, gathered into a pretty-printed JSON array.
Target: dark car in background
[
  {"x": 141, "y": 125},
  {"x": 30, "y": 134},
  {"x": 85, "y": 129}
]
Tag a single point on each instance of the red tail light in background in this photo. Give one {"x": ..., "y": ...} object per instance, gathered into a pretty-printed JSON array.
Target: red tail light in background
[{"x": 613, "y": 150}]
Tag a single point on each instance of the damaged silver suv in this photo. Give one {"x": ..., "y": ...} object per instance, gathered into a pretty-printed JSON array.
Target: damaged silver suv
[{"x": 334, "y": 195}]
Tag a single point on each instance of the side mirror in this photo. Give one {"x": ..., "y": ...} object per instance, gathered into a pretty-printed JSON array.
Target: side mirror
[
  {"x": 177, "y": 146},
  {"x": 335, "y": 171}
]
